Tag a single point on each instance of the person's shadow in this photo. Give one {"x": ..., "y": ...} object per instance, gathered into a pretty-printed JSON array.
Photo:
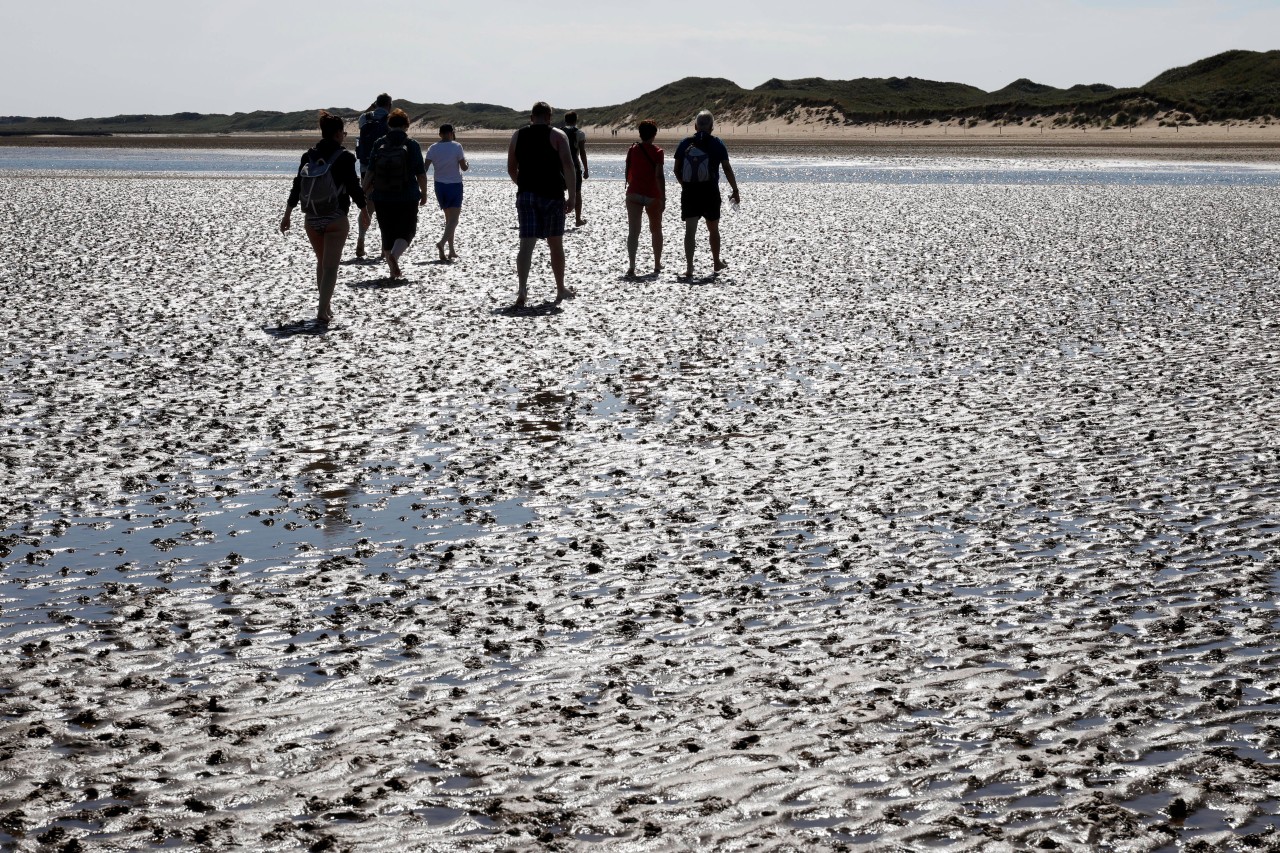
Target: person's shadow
[
  {"x": 543, "y": 309},
  {"x": 297, "y": 327},
  {"x": 382, "y": 283}
]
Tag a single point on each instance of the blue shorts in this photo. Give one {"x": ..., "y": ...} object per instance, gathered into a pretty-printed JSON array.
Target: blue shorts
[
  {"x": 448, "y": 195},
  {"x": 540, "y": 217}
]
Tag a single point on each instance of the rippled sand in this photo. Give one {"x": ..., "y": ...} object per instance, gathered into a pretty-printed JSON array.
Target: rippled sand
[{"x": 945, "y": 519}]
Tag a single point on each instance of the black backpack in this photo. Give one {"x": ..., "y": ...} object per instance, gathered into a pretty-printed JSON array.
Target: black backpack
[
  {"x": 391, "y": 167},
  {"x": 373, "y": 130}
]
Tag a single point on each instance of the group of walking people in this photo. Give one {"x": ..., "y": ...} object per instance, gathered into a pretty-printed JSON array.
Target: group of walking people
[{"x": 547, "y": 164}]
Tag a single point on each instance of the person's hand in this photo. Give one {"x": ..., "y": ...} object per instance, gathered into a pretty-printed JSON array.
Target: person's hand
[
  {"x": 284, "y": 223},
  {"x": 585, "y": 174},
  {"x": 568, "y": 206},
  {"x": 422, "y": 201},
  {"x": 735, "y": 198}
]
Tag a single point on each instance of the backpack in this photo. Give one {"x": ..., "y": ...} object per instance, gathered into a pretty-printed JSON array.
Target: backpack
[
  {"x": 370, "y": 132},
  {"x": 391, "y": 167},
  {"x": 697, "y": 167},
  {"x": 318, "y": 192}
]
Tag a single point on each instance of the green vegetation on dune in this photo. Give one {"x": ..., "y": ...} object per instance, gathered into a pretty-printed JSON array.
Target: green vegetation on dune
[{"x": 1233, "y": 85}]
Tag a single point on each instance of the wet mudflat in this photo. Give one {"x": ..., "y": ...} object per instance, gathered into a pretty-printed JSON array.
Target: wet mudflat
[{"x": 946, "y": 518}]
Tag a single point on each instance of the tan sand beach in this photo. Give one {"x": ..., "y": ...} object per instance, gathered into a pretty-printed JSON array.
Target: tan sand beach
[{"x": 1236, "y": 142}]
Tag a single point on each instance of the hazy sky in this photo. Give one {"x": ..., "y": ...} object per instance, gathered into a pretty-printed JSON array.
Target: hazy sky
[{"x": 78, "y": 58}]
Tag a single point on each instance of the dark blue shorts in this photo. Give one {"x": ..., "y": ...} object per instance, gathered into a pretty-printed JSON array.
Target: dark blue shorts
[
  {"x": 448, "y": 195},
  {"x": 540, "y": 216}
]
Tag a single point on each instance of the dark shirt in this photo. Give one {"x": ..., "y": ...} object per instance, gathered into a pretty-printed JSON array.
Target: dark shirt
[
  {"x": 714, "y": 147},
  {"x": 538, "y": 161},
  {"x": 344, "y": 175},
  {"x": 417, "y": 166}
]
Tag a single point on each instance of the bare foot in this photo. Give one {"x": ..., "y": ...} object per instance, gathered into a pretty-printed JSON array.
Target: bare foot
[
  {"x": 657, "y": 268},
  {"x": 360, "y": 248},
  {"x": 395, "y": 268},
  {"x": 453, "y": 256},
  {"x": 721, "y": 265},
  {"x": 581, "y": 222},
  {"x": 440, "y": 249},
  {"x": 631, "y": 273},
  {"x": 565, "y": 293},
  {"x": 520, "y": 299}
]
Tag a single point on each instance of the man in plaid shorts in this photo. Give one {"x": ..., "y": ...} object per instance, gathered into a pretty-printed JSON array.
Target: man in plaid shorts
[{"x": 539, "y": 163}]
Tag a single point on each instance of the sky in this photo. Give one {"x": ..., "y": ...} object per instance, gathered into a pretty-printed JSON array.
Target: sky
[{"x": 83, "y": 58}]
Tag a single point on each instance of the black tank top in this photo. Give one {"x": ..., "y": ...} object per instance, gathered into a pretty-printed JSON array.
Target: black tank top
[{"x": 539, "y": 162}]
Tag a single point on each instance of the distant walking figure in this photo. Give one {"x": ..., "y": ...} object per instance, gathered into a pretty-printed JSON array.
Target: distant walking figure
[
  {"x": 698, "y": 161},
  {"x": 539, "y": 163},
  {"x": 577, "y": 154},
  {"x": 397, "y": 177},
  {"x": 324, "y": 186},
  {"x": 646, "y": 194},
  {"x": 449, "y": 161},
  {"x": 373, "y": 126}
]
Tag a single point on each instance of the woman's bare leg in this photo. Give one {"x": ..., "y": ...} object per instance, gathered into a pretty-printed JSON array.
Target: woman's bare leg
[
  {"x": 332, "y": 240},
  {"x": 654, "y": 212},
  {"x": 634, "y": 211}
]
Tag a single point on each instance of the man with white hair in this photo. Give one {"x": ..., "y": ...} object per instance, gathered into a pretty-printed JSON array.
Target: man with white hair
[{"x": 698, "y": 161}]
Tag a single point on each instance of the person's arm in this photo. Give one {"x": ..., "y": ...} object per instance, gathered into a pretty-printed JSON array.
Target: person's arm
[
  {"x": 462, "y": 162},
  {"x": 582, "y": 152},
  {"x": 513, "y": 165},
  {"x": 422, "y": 176},
  {"x": 346, "y": 167},
  {"x": 561, "y": 143},
  {"x": 662, "y": 180},
  {"x": 733, "y": 182},
  {"x": 676, "y": 161},
  {"x": 294, "y": 194}
]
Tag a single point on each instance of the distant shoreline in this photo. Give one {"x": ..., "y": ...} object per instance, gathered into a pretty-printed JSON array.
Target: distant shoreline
[{"x": 1213, "y": 143}]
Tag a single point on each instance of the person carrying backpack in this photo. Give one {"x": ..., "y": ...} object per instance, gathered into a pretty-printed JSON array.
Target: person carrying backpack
[
  {"x": 397, "y": 183},
  {"x": 698, "y": 161},
  {"x": 373, "y": 126},
  {"x": 325, "y": 186}
]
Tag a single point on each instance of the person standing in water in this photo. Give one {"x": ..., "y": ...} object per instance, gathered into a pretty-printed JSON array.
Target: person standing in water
[
  {"x": 449, "y": 161},
  {"x": 698, "y": 161},
  {"x": 326, "y": 185},
  {"x": 397, "y": 177},
  {"x": 646, "y": 194},
  {"x": 538, "y": 162}
]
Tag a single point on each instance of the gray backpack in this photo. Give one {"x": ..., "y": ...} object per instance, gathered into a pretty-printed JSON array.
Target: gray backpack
[
  {"x": 319, "y": 193},
  {"x": 698, "y": 168}
]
